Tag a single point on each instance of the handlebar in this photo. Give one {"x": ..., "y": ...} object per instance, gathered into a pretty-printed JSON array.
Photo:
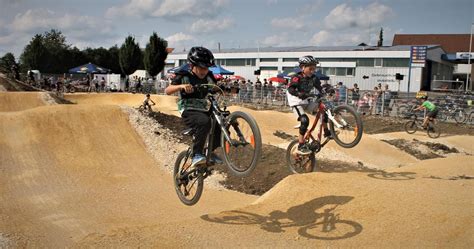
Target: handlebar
[{"x": 209, "y": 87}]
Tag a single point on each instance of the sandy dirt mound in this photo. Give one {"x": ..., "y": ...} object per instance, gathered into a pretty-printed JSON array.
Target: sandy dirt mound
[
  {"x": 18, "y": 101},
  {"x": 71, "y": 171},
  {"x": 166, "y": 104},
  {"x": 395, "y": 210},
  {"x": 80, "y": 176}
]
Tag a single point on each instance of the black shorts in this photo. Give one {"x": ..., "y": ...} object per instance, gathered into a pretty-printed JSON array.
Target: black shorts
[{"x": 432, "y": 114}]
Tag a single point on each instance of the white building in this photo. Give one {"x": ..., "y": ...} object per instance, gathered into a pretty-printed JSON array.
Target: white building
[{"x": 366, "y": 66}]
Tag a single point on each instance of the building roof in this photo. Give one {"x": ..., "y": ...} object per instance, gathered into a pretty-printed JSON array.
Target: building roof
[
  {"x": 309, "y": 49},
  {"x": 451, "y": 43}
]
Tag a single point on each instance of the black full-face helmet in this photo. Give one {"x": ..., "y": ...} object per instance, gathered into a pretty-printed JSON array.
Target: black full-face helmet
[{"x": 201, "y": 57}]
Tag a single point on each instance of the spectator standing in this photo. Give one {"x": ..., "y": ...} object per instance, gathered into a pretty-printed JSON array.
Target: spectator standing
[
  {"x": 243, "y": 91},
  {"x": 355, "y": 94},
  {"x": 249, "y": 86},
  {"x": 341, "y": 88},
  {"x": 387, "y": 97},
  {"x": 258, "y": 90},
  {"x": 102, "y": 84},
  {"x": 271, "y": 91}
]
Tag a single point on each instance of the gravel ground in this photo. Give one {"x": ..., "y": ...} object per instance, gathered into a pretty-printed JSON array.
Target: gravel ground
[{"x": 159, "y": 139}]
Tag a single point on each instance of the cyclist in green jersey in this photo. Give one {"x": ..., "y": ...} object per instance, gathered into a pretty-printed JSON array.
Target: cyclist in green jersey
[{"x": 432, "y": 110}]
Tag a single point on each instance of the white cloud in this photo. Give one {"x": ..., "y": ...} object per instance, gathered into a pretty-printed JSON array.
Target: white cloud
[
  {"x": 179, "y": 37},
  {"x": 346, "y": 17},
  {"x": 210, "y": 26},
  {"x": 201, "y": 8},
  {"x": 320, "y": 38},
  {"x": 288, "y": 23},
  {"x": 167, "y": 8},
  {"x": 41, "y": 19},
  {"x": 78, "y": 30},
  {"x": 283, "y": 39},
  {"x": 349, "y": 26},
  {"x": 134, "y": 8}
]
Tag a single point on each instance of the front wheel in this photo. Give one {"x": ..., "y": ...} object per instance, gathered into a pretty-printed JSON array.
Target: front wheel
[
  {"x": 188, "y": 182},
  {"x": 242, "y": 153},
  {"x": 298, "y": 164},
  {"x": 411, "y": 126},
  {"x": 348, "y": 130}
]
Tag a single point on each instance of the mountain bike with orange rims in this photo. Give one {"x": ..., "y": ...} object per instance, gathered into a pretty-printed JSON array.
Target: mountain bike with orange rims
[
  {"x": 240, "y": 141},
  {"x": 345, "y": 126}
]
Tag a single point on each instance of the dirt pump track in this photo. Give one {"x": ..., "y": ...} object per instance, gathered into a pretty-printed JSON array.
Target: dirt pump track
[{"x": 80, "y": 176}]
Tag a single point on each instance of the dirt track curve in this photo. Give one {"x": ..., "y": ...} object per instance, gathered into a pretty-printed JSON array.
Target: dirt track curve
[{"x": 80, "y": 176}]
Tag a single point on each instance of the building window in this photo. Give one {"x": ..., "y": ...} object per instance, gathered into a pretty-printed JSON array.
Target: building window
[
  {"x": 378, "y": 62},
  {"x": 331, "y": 71},
  {"x": 182, "y": 62},
  {"x": 365, "y": 62},
  {"x": 340, "y": 71},
  {"x": 288, "y": 69},
  {"x": 290, "y": 59},
  {"x": 220, "y": 62},
  {"x": 269, "y": 68},
  {"x": 250, "y": 62},
  {"x": 395, "y": 62},
  {"x": 350, "y": 72},
  {"x": 235, "y": 62},
  {"x": 268, "y": 59}
]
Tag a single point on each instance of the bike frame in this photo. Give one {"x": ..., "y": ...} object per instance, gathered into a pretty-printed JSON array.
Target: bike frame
[{"x": 322, "y": 109}]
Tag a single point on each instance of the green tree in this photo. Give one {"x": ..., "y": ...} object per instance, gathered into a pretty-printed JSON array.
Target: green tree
[
  {"x": 7, "y": 61},
  {"x": 130, "y": 56},
  {"x": 155, "y": 55},
  {"x": 380, "y": 41},
  {"x": 113, "y": 60},
  {"x": 35, "y": 55}
]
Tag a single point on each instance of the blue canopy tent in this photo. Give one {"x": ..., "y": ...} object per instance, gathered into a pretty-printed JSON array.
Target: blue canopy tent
[
  {"x": 214, "y": 69},
  {"x": 220, "y": 70},
  {"x": 318, "y": 74},
  {"x": 89, "y": 68}
]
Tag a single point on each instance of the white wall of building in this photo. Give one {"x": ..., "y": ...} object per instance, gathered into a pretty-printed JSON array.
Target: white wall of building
[{"x": 383, "y": 75}]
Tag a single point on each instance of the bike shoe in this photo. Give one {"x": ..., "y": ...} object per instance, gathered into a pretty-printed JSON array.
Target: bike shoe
[
  {"x": 303, "y": 149},
  {"x": 198, "y": 159},
  {"x": 215, "y": 159}
]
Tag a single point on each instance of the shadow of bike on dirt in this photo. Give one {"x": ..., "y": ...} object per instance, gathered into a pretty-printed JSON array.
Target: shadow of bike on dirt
[
  {"x": 393, "y": 176},
  {"x": 316, "y": 219}
]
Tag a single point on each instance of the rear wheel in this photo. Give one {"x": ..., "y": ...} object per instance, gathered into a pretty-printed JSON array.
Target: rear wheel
[
  {"x": 350, "y": 131},
  {"x": 242, "y": 155},
  {"x": 299, "y": 164},
  {"x": 433, "y": 130},
  {"x": 188, "y": 182}
]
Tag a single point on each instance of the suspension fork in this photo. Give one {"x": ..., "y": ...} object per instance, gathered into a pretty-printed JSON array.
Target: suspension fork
[{"x": 334, "y": 121}]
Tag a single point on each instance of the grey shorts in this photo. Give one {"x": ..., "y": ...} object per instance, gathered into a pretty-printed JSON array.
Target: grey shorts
[{"x": 309, "y": 108}]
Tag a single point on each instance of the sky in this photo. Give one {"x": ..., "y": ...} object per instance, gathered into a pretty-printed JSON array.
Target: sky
[{"x": 230, "y": 23}]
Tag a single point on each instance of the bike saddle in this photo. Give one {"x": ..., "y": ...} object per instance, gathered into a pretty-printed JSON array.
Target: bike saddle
[{"x": 188, "y": 132}]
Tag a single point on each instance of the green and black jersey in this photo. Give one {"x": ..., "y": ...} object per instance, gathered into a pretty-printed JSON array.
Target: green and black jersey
[{"x": 197, "y": 99}]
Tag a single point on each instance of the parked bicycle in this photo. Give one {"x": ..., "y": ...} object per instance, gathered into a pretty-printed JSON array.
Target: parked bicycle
[
  {"x": 415, "y": 123},
  {"x": 241, "y": 146},
  {"x": 346, "y": 129}
]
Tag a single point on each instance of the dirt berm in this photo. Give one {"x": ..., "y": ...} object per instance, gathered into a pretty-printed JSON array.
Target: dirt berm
[{"x": 80, "y": 176}]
